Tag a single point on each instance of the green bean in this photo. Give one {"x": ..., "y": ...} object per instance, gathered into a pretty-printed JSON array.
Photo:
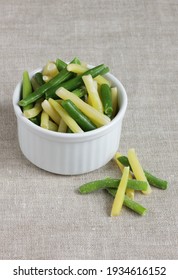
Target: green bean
[
  {"x": 37, "y": 81},
  {"x": 34, "y": 83},
  {"x": 152, "y": 180},
  {"x": 124, "y": 160},
  {"x": 60, "y": 64},
  {"x": 97, "y": 185},
  {"x": 80, "y": 92},
  {"x": 36, "y": 120},
  {"x": 131, "y": 204},
  {"x": 106, "y": 99},
  {"x": 76, "y": 82},
  {"x": 137, "y": 185},
  {"x": 82, "y": 120},
  {"x": 69, "y": 130},
  {"x": 26, "y": 89},
  {"x": 156, "y": 182},
  {"x": 111, "y": 183},
  {"x": 77, "y": 61},
  {"x": 39, "y": 78}
]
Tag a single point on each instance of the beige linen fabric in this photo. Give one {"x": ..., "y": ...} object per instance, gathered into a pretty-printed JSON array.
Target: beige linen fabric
[{"x": 42, "y": 216}]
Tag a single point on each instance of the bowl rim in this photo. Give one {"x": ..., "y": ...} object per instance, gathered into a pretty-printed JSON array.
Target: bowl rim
[{"x": 72, "y": 136}]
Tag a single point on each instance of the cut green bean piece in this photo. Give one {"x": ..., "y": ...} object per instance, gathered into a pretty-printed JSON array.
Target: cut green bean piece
[
  {"x": 36, "y": 120},
  {"x": 69, "y": 130},
  {"x": 34, "y": 83},
  {"x": 106, "y": 98},
  {"x": 111, "y": 183},
  {"x": 82, "y": 120},
  {"x": 39, "y": 78},
  {"x": 131, "y": 204},
  {"x": 60, "y": 64},
  {"x": 37, "y": 81},
  {"x": 156, "y": 182},
  {"x": 80, "y": 92},
  {"x": 97, "y": 185},
  {"x": 104, "y": 71},
  {"x": 152, "y": 180},
  {"x": 137, "y": 185},
  {"x": 26, "y": 89},
  {"x": 124, "y": 160},
  {"x": 77, "y": 61}
]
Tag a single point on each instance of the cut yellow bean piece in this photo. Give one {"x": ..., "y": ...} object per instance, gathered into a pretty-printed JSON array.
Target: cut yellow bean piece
[
  {"x": 88, "y": 100},
  {"x": 33, "y": 112},
  {"x": 98, "y": 118},
  {"x": 51, "y": 112},
  {"x": 58, "y": 101},
  {"x": 62, "y": 126},
  {"x": 50, "y": 69},
  {"x": 95, "y": 84},
  {"x": 129, "y": 192},
  {"x": 120, "y": 194},
  {"x": 65, "y": 116},
  {"x": 101, "y": 80},
  {"x": 114, "y": 95},
  {"x": 137, "y": 169},
  {"x": 76, "y": 68},
  {"x": 93, "y": 93},
  {"x": 52, "y": 126},
  {"x": 46, "y": 78},
  {"x": 44, "y": 120}
]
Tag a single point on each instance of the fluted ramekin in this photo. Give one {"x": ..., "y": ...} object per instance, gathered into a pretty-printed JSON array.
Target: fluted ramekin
[{"x": 70, "y": 153}]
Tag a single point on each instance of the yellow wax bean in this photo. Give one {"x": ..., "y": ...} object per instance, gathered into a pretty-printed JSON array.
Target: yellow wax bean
[
  {"x": 129, "y": 192},
  {"x": 51, "y": 112},
  {"x": 120, "y": 194},
  {"x": 76, "y": 68},
  {"x": 114, "y": 96},
  {"x": 52, "y": 126},
  {"x": 137, "y": 169},
  {"x": 62, "y": 126},
  {"x": 101, "y": 80},
  {"x": 50, "y": 69},
  {"x": 44, "y": 120},
  {"x": 93, "y": 92},
  {"x": 33, "y": 112}
]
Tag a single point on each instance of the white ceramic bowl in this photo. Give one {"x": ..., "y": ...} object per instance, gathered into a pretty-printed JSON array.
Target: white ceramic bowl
[{"x": 69, "y": 153}]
